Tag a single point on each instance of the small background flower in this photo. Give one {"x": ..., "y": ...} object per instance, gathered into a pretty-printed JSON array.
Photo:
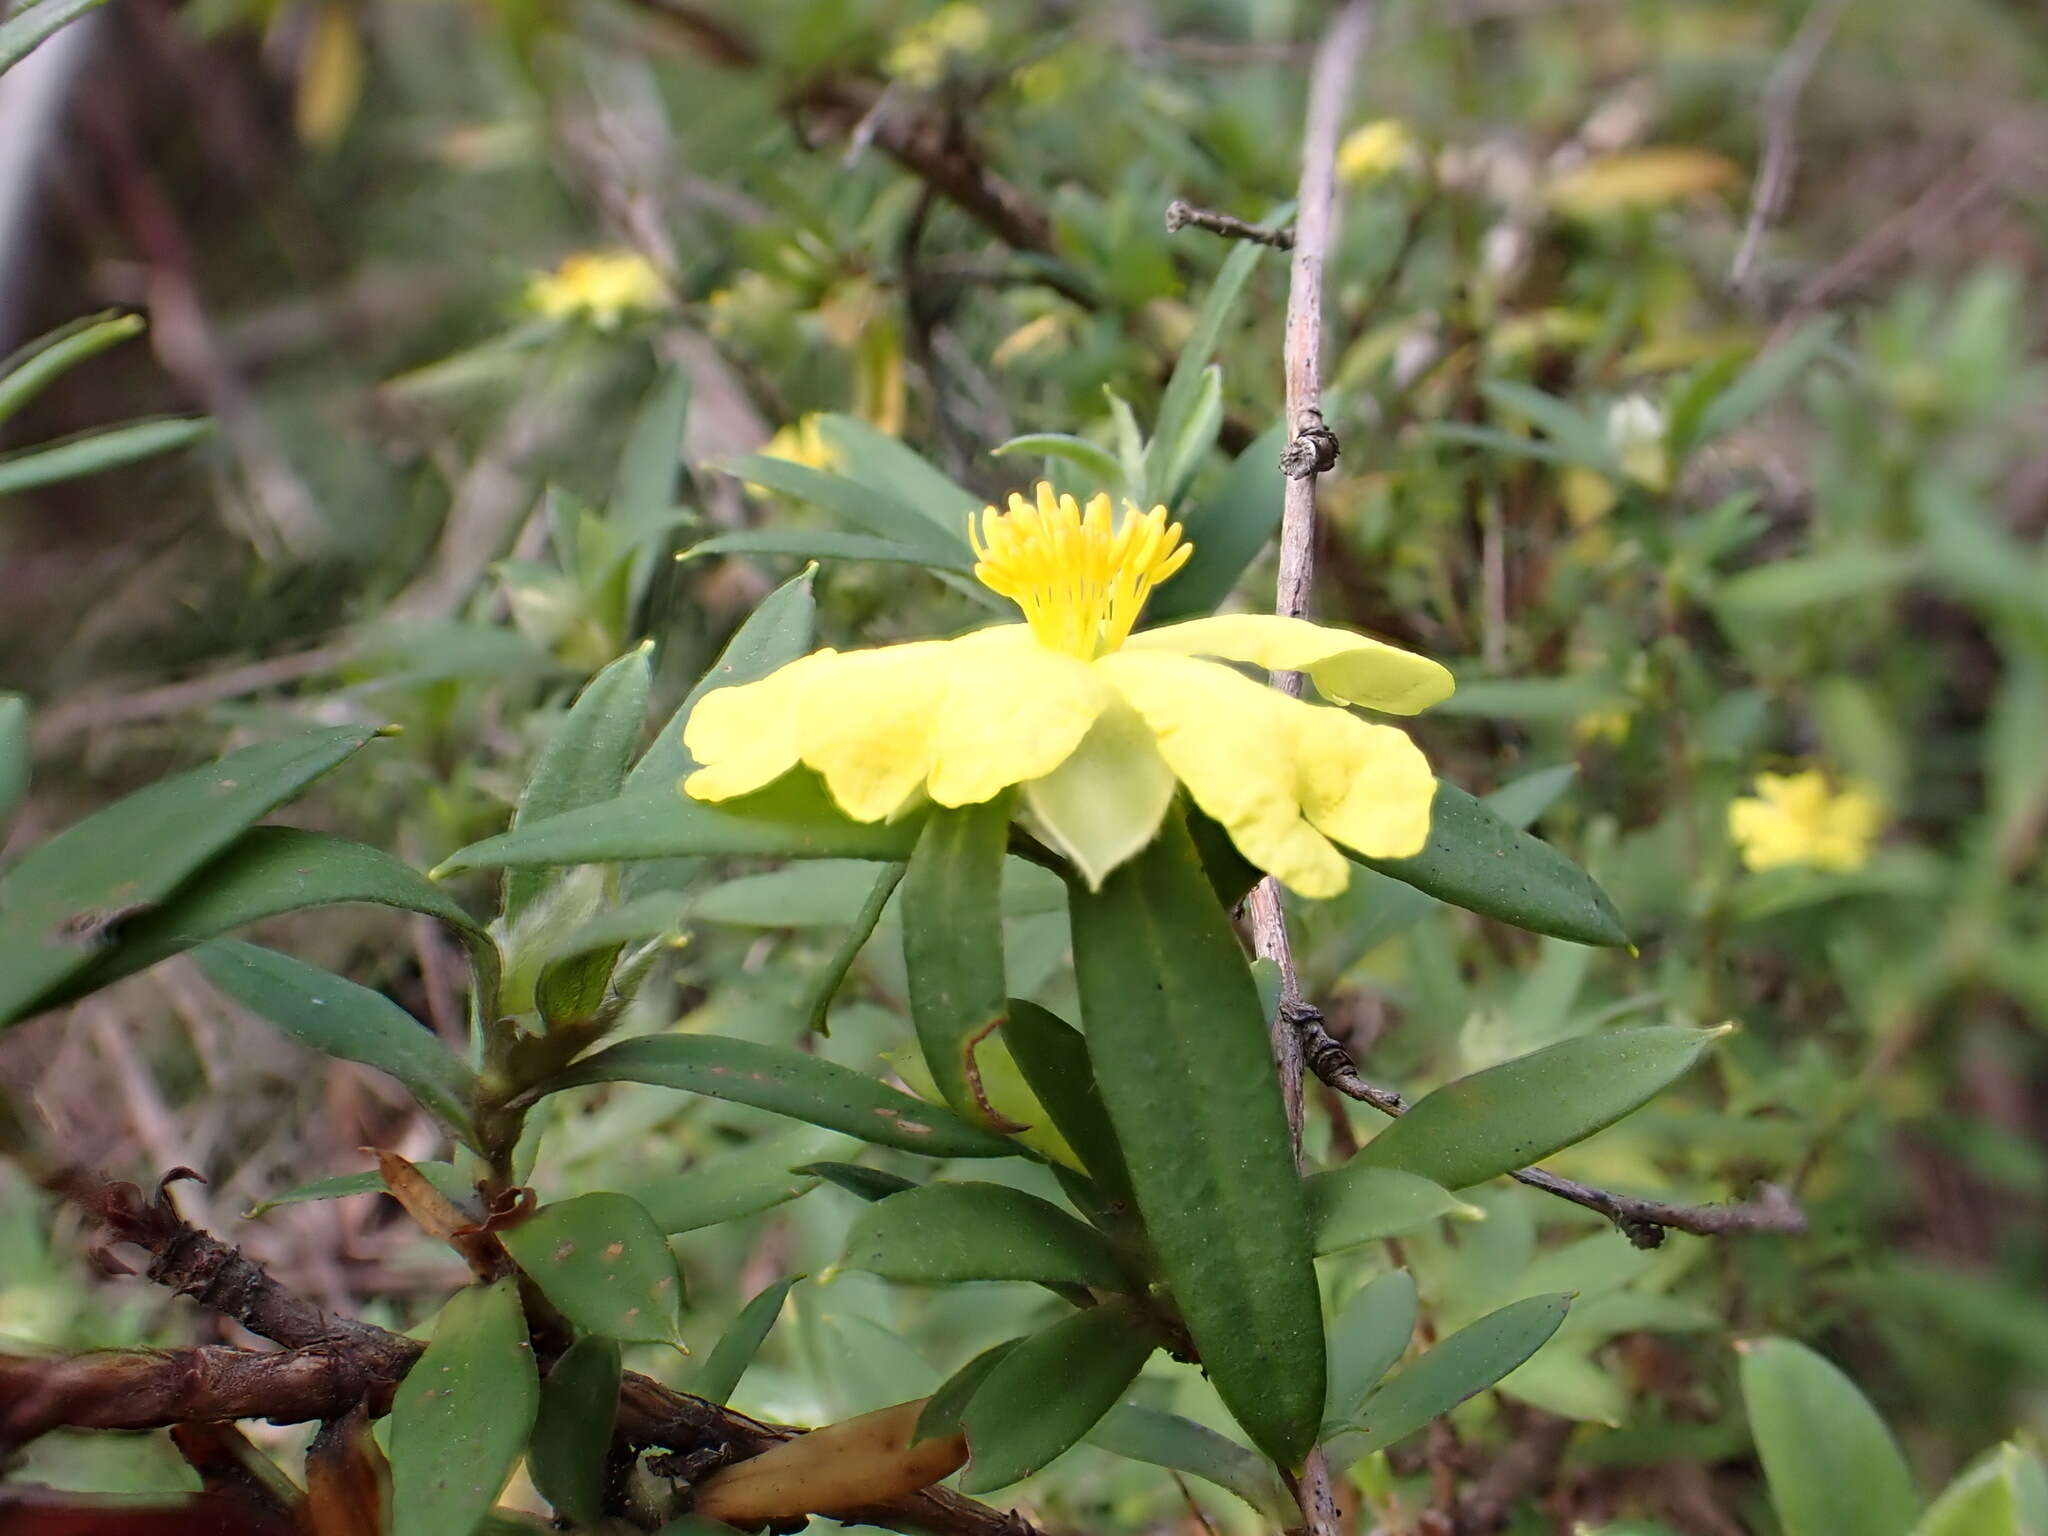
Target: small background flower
[
  {"x": 604, "y": 288},
  {"x": 1800, "y": 819}
]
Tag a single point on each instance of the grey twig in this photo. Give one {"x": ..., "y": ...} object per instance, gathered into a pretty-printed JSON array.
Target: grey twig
[
  {"x": 1642, "y": 1222},
  {"x": 1180, "y": 215},
  {"x": 1329, "y": 89},
  {"x": 1780, "y": 113}
]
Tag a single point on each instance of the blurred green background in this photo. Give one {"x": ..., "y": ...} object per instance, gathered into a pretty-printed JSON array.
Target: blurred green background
[{"x": 1679, "y": 514}]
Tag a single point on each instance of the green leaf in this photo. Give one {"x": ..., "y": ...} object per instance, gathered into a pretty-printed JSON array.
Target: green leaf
[
  {"x": 269, "y": 870},
  {"x": 1092, "y": 459},
  {"x": 1368, "y": 1338},
  {"x": 585, "y": 761},
  {"x": 786, "y": 1082},
  {"x": 1498, "y": 441},
  {"x": 1053, "y": 1056},
  {"x": 1435, "y": 1382},
  {"x": 1521, "y": 1111},
  {"x": 445, "y": 1177},
  {"x": 461, "y": 1417},
  {"x": 341, "y": 1019},
  {"x": 1168, "y": 1440},
  {"x": 1050, "y": 1390},
  {"x": 734, "y": 1186},
  {"x": 774, "y": 634},
  {"x": 604, "y": 1264},
  {"x": 14, "y": 753},
  {"x": 942, "y": 1410},
  {"x": 1179, "y": 1046},
  {"x": 30, "y": 371},
  {"x": 1581, "y": 439},
  {"x": 868, "y": 1183},
  {"x": 651, "y": 465},
  {"x": 1227, "y": 528},
  {"x": 1192, "y": 405},
  {"x": 1478, "y": 861},
  {"x": 572, "y": 1433},
  {"x": 952, "y": 903},
  {"x": 2003, "y": 1493},
  {"x": 1765, "y": 378},
  {"x": 1358, "y": 1203},
  {"x": 90, "y": 453},
  {"x": 827, "y": 544},
  {"x": 1106, "y": 801},
  {"x": 20, "y": 33},
  {"x": 721, "y": 1371},
  {"x": 1831, "y": 1464},
  {"x": 793, "y": 818},
  {"x": 875, "y": 513},
  {"x": 832, "y": 976},
  {"x": 880, "y": 462},
  {"x": 135, "y": 852},
  {"x": 942, "y": 1234},
  {"x": 1797, "y": 583}
]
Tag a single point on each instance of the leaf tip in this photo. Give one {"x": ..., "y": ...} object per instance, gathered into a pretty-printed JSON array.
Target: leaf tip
[{"x": 388, "y": 729}]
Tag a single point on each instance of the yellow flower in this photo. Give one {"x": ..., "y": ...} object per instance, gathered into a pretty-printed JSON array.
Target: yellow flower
[
  {"x": 1097, "y": 725},
  {"x": 602, "y": 287},
  {"x": 802, "y": 442},
  {"x": 1799, "y": 819},
  {"x": 921, "y": 52},
  {"x": 1373, "y": 153}
]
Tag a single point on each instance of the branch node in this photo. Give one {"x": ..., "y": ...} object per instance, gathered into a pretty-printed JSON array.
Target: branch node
[
  {"x": 1180, "y": 214},
  {"x": 1314, "y": 449}
]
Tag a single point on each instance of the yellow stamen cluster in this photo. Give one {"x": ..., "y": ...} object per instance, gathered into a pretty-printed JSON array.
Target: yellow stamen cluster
[{"x": 1081, "y": 578}]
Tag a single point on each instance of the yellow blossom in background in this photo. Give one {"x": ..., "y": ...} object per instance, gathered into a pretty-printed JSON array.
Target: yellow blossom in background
[
  {"x": 601, "y": 287},
  {"x": 1604, "y": 727},
  {"x": 921, "y": 51},
  {"x": 1641, "y": 178},
  {"x": 1095, "y": 724},
  {"x": 1373, "y": 153},
  {"x": 802, "y": 442},
  {"x": 1800, "y": 819}
]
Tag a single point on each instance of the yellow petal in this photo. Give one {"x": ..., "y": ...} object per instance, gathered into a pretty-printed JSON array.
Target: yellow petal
[
  {"x": 746, "y": 736},
  {"x": 1013, "y": 711},
  {"x": 1106, "y": 801},
  {"x": 1231, "y": 742},
  {"x": 867, "y": 725},
  {"x": 1368, "y": 786},
  {"x": 1347, "y": 667}
]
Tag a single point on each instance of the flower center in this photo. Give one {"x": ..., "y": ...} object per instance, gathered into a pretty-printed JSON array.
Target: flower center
[{"x": 1081, "y": 578}]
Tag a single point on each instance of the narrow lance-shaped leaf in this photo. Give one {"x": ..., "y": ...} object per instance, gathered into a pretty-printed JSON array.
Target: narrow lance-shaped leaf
[
  {"x": 130, "y": 856},
  {"x": 14, "y": 757},
  {"x": 572, "y": 1434},
  {"x": 1049, "y": 1391},
  {"x": 90, "y": 453},
  {"x": 604, "y": 1264},
  {"x": 1168, "y": 1440},
  {"x": 2005, "y": 1493},
  {"x": 1522, "y": 1110},
  {"x": 30, "y": 371},
  {"x": 792, "y": 818},
  {"x": 1092, "y": 459},
  {"x": 1831, "y": 1464},
  {"x": 1053, "y": 1056},
  {"x": 1476, "y": 860},
  {"x": 789, "y": 1083},
  {"x": 942, "y": 1410},
  {"x": 827, "y": 544},
  {"x": 1368, "y": 1337},
  {"x": 20, "y": 34},
  {"x": 884, "y": 463},
  {"x": 267, "y": 871},
  {"x": 942, "y": 1234},
  {"x": 1227, "y": 528},
  {"x": 651, "y": 465},
  {"x": 584, "y": 761},
  {"x": 1466, "y": 1363},
  {"x": 445, "y": 1177},
  {"x": 1358, "y": 1204},
  {"x": 461, "y": 1417},
  {"x": 952, "y": 903},
  {"x": 870, "y": 511},
  {"x": 1177, "y": 440},
  {"x": 1180, "y": 1053},
  {"x": 338, "y": 1018},
  {"x": 737, "y": 1346}
]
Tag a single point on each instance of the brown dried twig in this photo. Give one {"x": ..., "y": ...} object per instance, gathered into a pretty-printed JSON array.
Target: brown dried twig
[
  {"x": 329, "y": 1365},
  {"x": 1642, "y": 1222},
  {"x": 1182, "y": 215}
]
